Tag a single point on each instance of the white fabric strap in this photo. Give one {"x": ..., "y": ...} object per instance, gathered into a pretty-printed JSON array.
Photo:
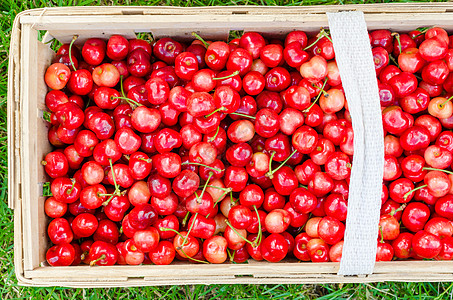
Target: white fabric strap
[{"x": 355, "y": 62}]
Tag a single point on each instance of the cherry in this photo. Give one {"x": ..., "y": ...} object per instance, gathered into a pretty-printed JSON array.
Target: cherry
[
  {"x": 274, "y": 248},
  {"x": 402, "y": 245},
  {"x": 57, "y": 76},
  {"x": 103, "y": 254},
  {"x": 318, "y": 250},
  {"x": 277, "y": 221},
  {"x": 426, "y": 245},
  {"x": 84, "y": 225},
  {"x": 315, "y": 69},
  {"x": 117, "y": 206},
  {"x": 59, "y": 231},
  {"x": 65, "y": 190},
  {"x": 336, "y": 206},
  {"x": 55, "y": 164},
  {"x": 330, "y": 230},
  {"x": 384, "y": 252},
  {"x": 61, "y": 255},
  {"x": 439, "y": 227},
  {"x": 163, "y": 254},
  {"x": 167, "y": 49},
  {"x": 54, "y": 208},
  {"x": 138, "y": 62}
]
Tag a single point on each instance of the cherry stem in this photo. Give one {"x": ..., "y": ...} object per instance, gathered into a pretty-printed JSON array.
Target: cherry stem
[
  {"x": 200, "y": 39},
  {"x": 213, "y": 112},
  {"x": 443, "y": 103},
  {"x": 194, "y": 259},
  {"x": 198, "y": 164},
  {"x": 211, "y": 139},
  {"x": 218, "y": 199},
  {"x": 74, "y": 38},
  {"x": 411, "y": 191},
  {"x": 394, "y": 211},
  {"x": 434, "y": 169},
  {"x": 128, "y": 100},
  {"x": 231, "y": 256},
  {"x": 205, "y": 185},
  {"x": 186, "y": 217},
  {"x": 260, "y": 233},
  {"x": 281, "y": 165},
  {"x": 106, "y": 202},
  {"x": 226, "y": 77},
  {"x": 397, "y": 37},
  {"x": 317, "y": 98},
  {"x": 72, "y": 187},
  {"x": 121, "y": 87},
  {"x": 145, "y": 160},
  {"x": 93, "y": 262},
  {"x": 394, "y": 60},
  {"x": 270, "y": 164},
  {"x": 46, "y": 116},
  {"x": 303, "y": 186},
  {"x": 322, "y": 90},
  {"x": 117, "y": 188},
  {"x": 242, "y": 115},
  {"x": 422, "y": 31},
  {"x": 219, "y": 188},
  {"x": 321, "y": 34},
  {"x": 172, "y": 230},
  {"x": 190, "y": 229},
  {"x": 382, "y": 234},
  {"x": 253, "y": 244}
]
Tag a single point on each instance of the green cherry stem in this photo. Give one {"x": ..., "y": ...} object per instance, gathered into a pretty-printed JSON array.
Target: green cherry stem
[
  {"x": 190, "y": 229},
  {"x": 128, "y": 100},
  {"x": 220, "y": 188},
  {"x": 206, "y": 184},
  {"x": 72, "y": 187},
  {"x": 411, "y": 191},
  {"x": 117, "y": 188},
  {"x": 260, "y": 233},
  {"x": 434, "y": 169},
  {"x": 74, "y": 38},
  {"x": 322, "y": 33},
  {"x": 242, "y": 115},
  {"x": 186, "y": 217},
  {"x": 443, "y": 103},
  {"x": 212, "y": 139},
  {"x": 226, "y": 77},
  {"x": 121, "y": 87},
  {"x": 317, "y": 98},
  {"x": 200, "y": 39},
  {"x": 397, "y": 37},
  {"x": 401, "y": 208},
  {"x": 93, "y": 262},
  {"x": 270, "y": 162},
  {"x": 213, "y": 112},
  {"x": 172, "y": 230},
  {"x": 271, "y": 173},
  {"x": 220, "y": 197},
  {"x": 253, "y": 244},
  {"x": 198, "y": 164},
  {"x": 382, "y": 234}
]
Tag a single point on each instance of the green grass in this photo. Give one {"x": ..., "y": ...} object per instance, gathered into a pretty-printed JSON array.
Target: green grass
[{"x": 8, "y": 284}]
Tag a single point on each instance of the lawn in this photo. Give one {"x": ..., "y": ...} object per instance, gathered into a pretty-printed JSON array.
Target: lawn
[{"x": 8, "y": 284}]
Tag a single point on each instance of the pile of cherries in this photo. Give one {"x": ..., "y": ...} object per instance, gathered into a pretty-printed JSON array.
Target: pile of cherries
[{"x": 219, "y": 151}]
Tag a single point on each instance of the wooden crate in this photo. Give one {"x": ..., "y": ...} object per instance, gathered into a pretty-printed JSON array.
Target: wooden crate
[{"x": 27, "y": 133}]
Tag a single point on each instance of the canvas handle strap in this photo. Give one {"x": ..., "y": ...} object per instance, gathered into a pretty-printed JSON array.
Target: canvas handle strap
[{"x": 355, "y": 62}]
